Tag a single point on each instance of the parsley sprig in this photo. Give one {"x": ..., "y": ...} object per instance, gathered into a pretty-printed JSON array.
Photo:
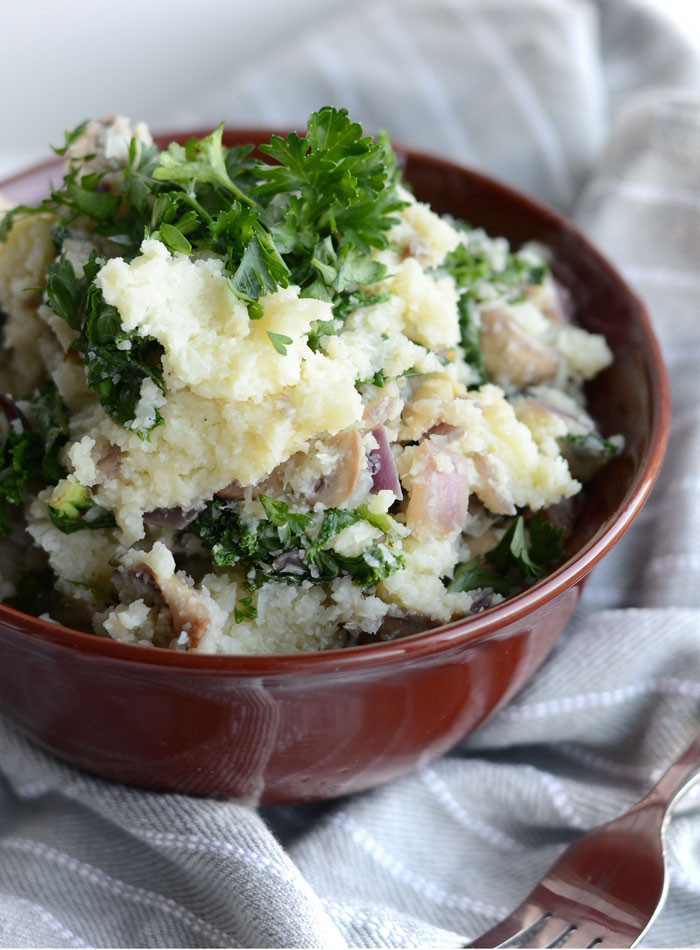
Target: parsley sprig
[{"x": 527, "y": 550}]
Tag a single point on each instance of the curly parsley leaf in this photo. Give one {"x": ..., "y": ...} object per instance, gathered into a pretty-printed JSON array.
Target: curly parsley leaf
[
  {"x": 280, "y": 341},
  {"x": 199, "y": 162},
  {"x": 70, "y": 136},
  {"x": 311, "y": 214},
  {"x": 525, "y": 552}
]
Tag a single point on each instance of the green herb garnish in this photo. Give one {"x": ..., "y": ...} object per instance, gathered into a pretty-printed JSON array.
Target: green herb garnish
[
  {"x": 29, "y": 449},
  {"x": 311, "y": 216},
  {"x": 34, "y": 593},
  {"x": 116, "y": 361},
  {"x": 291, "y": 547},
  {"x": 525, "y": 553}
]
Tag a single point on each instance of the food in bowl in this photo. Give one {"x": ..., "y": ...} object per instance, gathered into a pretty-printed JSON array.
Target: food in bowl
[{"x": 263, "y": 407}]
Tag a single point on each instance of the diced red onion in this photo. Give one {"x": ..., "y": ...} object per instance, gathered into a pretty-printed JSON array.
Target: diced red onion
[
  {"x": 12, "y": 411},
  {"x": 288, "y": 563},
  {"x": 382, "y": 465},
  {"x": 439, "y": 496}
]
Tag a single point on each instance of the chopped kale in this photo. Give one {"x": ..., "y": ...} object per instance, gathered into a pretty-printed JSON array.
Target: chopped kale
[
  {"x": 290, "y": 547},
  {"x": 29, "y": 448},
  {"x": 116, "y": 361},
  {"x": 34, "y": 593},
  {"x": 244, "y": 610}
]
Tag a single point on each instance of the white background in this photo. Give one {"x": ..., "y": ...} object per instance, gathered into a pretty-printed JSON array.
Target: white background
[{"x": 62, "y": 61}]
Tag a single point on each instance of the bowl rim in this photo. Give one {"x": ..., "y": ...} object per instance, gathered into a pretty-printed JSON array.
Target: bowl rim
[{"x": 459, "y": 632}]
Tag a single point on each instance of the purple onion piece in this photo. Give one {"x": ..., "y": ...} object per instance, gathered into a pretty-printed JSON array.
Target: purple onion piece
[
  {"x": 382, "y": 465},
  {"x": 483, "y": 600},
  {"x": 565, "y": 303},
  {"x": 170, "y": 517},
  {"x": 289, "y": 563},
  {"x": 12, "y": 411}
]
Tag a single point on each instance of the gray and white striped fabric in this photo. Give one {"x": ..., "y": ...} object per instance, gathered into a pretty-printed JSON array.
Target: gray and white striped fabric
[{"x": 594, "y": 107}]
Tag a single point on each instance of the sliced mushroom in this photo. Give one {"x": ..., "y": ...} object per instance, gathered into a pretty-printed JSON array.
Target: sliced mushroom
[
  {"x": 448, "y": 432},
  {"x": 430, "y": 404},
  {"x": 335, "y": 488},
  {"x": 272, "y": 485},
  {"x": 576, "y": 418},
  {"x": 329, "y": 490},
  {"x": 289, "y": 563},
  {"x": 171, "y": 517},
  {"x": 439, "y": 490},
  {"x": 510, "y": 354},
  {"x": 109, "y": 464},
  {"x": 188, "y": 611},
  {"x": 393, "y": 628},
  {"x": 137, "y": 584}
]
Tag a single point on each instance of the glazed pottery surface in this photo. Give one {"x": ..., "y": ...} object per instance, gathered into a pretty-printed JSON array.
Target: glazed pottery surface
[{"x": 308, "y": 726}]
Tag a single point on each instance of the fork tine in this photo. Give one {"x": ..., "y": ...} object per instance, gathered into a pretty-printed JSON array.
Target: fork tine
[
  {"x": 522, "y": 919},
  {"x": 554, "y": 929}
]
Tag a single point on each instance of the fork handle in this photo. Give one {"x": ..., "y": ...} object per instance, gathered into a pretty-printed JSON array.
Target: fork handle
[{"x": 678, "y": 777}]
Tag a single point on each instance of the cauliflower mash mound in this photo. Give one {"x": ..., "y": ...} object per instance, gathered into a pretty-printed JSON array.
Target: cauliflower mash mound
[{"x": 249, "y": 413}]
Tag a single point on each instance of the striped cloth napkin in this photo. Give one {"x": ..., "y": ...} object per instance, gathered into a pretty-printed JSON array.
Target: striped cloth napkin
[{"x": 595, "y": 108}]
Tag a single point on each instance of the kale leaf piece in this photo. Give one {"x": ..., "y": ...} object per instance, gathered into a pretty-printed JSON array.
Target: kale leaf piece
[
  {"x": 29, "y": 448},
  {"x": 34, "y": 593},
  {"x": 116, "y": 361},
  {"x": 290, "y": 547},
  {"x": 525, "y": 553}
]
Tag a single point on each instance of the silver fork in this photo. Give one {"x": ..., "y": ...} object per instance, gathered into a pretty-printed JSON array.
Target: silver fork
[{"x": 608, "y": 885}]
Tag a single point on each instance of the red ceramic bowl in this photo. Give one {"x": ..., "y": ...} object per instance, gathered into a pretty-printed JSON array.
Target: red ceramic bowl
[{"x": 308, "y": 726}]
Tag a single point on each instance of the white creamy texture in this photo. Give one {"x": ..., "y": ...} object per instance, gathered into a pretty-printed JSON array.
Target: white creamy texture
[
  {"x": 236, "y": 407},
  {"x": 239, "y": 413}
]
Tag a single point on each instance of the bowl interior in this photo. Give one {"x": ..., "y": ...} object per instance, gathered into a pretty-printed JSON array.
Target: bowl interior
[{"x": 630, "y": 397}]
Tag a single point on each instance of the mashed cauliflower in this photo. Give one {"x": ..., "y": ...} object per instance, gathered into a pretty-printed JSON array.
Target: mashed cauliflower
[{"x": 261, "y": 428}]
